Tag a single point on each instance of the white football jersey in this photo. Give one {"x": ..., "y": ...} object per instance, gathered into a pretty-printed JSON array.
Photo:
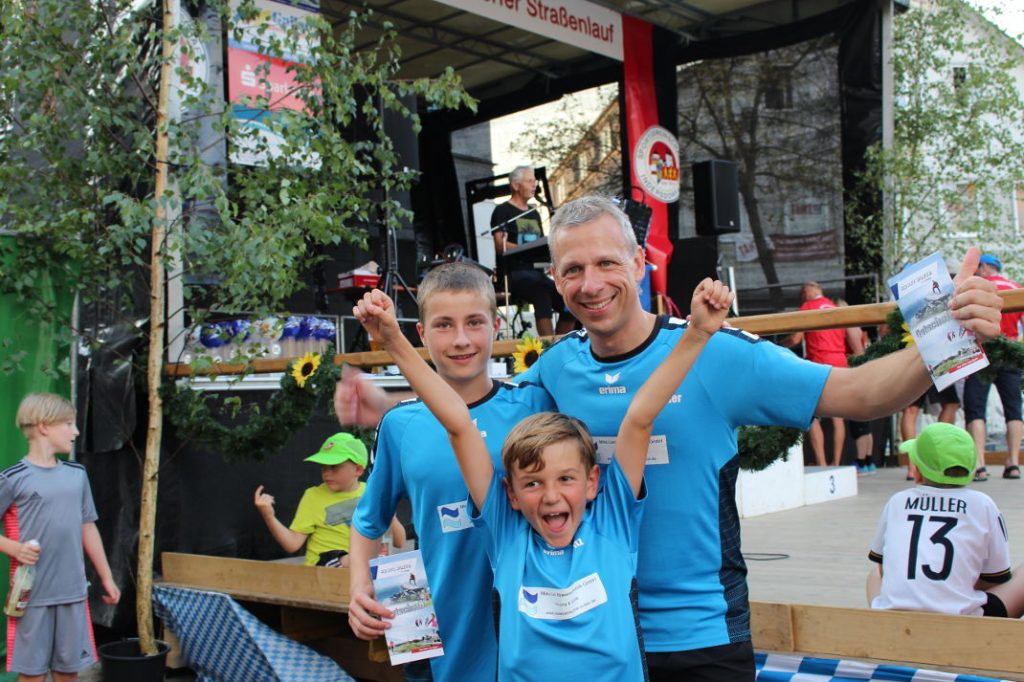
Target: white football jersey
[{"x": 934, "y": 544}]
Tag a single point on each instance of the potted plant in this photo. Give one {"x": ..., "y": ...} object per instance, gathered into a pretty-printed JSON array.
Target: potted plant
[{"x": 108, "y": 180}]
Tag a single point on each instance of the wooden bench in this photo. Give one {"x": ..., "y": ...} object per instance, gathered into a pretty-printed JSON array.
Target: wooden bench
[
  {"x": 309, "y": 604},
  {"x": 991, "y": 646},
  {"x": 306, "y": 603}
]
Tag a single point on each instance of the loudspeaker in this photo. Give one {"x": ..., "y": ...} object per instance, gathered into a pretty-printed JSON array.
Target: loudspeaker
[
  {"x": 639, "y": 215},
  {"x": 692, "y": 260},
  {"x": 716, "y": 197}
]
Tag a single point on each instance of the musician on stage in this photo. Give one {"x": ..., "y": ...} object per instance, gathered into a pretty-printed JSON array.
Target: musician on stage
[{"x": 515, "y": 220}]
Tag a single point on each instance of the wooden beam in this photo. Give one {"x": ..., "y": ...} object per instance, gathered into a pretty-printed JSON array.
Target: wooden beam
[
  {"x": 927, "y": 639},
  {"x": 314, "y": 587},
  {"x": 771, "y": 626},
  {"x": 776, "y": 323}
]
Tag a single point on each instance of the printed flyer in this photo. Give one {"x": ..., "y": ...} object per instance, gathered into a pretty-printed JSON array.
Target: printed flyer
[
  {"x": 400, "y": 581},
  {"x": 924, "y": 291}
]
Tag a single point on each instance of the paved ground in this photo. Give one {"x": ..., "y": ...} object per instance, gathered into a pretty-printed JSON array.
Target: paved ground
[
  {"x": 818, "y": 554},
  {"x": 820, "y": 551}
]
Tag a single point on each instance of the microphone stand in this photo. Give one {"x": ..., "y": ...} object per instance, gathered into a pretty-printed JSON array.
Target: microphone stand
[
  {"x": 501, "y": 226},
  {"x": 504, "y": 269}
]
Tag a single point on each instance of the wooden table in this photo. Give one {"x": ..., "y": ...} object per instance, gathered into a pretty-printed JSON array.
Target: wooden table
[{"x": 306, "y": 603}]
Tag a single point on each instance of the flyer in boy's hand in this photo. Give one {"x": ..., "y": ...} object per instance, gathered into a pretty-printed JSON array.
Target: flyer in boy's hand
[
  {"x": 924, "y": 291},
  {"x": 400, "y": 581}
]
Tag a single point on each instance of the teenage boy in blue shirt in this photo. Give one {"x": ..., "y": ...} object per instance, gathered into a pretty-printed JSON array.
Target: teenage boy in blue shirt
[
  {"x": 566, "y": 587},
  {"x": 413, "y": 460}
]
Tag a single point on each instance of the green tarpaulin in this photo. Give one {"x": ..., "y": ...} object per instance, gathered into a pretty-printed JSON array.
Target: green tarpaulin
[{"x": 41, "y": 351}]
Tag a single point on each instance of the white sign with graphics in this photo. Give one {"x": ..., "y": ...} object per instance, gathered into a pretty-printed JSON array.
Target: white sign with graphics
[
  {"x": 547, "y": 603},
  {"x": 656, "y": 164},
  {"x": 573, "y": 22},
  {"x": 657, "y": 451}
]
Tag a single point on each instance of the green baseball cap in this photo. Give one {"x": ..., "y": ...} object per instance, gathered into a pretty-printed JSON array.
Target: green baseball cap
[
  {"x": 940, "y": 447},
  {"x": 339, "y": 448}
]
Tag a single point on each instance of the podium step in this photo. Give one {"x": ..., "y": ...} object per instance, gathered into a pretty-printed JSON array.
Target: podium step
[
  {"x": 822, "y": 484},
  {"x": 789, "y": 484}
]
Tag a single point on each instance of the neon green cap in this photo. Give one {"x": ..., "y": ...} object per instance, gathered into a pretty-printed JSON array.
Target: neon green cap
[
  {"x": 339, "y": 448},
  {"x": 939, "y": 448}
]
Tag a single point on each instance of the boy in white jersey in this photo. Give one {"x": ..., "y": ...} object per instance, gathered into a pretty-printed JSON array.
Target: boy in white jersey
[
  {"x": 939, "y": 546},
  {"x": 564, "y": 556}
]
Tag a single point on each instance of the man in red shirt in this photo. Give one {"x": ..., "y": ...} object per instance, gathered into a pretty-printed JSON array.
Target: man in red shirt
[
  {"x": 1007, "y": 383},
  {"x": 827, "y": 347}
]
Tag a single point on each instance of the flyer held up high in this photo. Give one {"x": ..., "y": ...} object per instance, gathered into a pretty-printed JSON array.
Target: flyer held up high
[{"x": 924, "y": 291}]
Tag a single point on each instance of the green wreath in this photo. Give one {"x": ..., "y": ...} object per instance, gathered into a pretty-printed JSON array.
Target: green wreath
[
  {"x": 199, "y": 416},
  {"x": 1002, "y": 353},
  {"x": 760, "y": 446}
]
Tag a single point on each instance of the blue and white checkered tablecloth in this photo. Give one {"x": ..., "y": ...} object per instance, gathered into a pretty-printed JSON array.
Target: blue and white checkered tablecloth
[
  {"x": 796, "y": 668},
  {"x": 223, "y": 642}
]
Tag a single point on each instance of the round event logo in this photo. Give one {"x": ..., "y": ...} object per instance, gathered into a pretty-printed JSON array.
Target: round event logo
[{"x": 656, "y": 164}]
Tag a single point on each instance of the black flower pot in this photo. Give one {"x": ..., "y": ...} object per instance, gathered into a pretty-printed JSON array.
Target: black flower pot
[{"x": 123, "y": 661}]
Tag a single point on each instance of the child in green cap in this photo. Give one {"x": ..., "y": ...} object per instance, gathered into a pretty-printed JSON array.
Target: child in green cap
[
  {"x": 324, "y": 516},
  {"x": 940, "y": 546}
]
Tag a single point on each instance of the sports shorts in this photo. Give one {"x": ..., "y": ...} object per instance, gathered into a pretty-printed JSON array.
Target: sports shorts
[
  {"x": 976, "y": 391},
  {"x": 946, "y": 396},
  {"x": 994, "y": 607},
  {"x": 858, "y": 429},
  {"x": 57, "y": 637},
  {"x": 724, "y": 663}
]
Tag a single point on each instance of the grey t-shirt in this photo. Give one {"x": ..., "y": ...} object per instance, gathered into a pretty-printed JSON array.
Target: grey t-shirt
[{"x": 50, "y": 504}]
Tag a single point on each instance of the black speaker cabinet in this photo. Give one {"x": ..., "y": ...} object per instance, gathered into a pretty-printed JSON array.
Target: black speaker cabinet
[
  {"x": 692, "y": 260},
  {"x": 716, "y": 197}
]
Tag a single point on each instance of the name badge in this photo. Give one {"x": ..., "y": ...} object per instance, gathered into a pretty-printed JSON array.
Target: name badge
[
  {"x": 545, "y": 603},
  {"x": 454, "y": 517},
  {"x": 657, "y": 451}
]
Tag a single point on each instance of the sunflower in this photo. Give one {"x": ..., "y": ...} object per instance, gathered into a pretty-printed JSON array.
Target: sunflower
[
  {"x": 527, "y": 353},
  {"x": 305, "y": 367},
  {"x": 907, "y": 339}
]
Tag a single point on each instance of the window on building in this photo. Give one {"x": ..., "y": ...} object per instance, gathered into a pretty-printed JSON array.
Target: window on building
[
  {"x": 778, "y": 88},
  {"x": 580, "y": 163},
  {"x": 1018, "y": 208},
  {"x": 962, "y": 209},
  {"x": 959, "y": 76},
  {"x": 608, "y": 135}
]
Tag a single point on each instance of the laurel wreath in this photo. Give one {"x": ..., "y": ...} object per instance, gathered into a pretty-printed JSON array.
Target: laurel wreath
[
  {"x": 253, "y": 432},
  {"x": 1002, "y": 353}
]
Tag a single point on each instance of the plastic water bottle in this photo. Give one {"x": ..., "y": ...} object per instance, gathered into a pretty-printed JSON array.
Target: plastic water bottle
[
  {"x": 387, "y": 545},
  {"x": 21, "y": 587}
]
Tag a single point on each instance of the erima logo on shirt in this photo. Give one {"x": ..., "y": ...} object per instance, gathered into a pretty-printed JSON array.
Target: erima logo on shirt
[
  {"x": 483, "y": 434},
  {"x": 611, "y": 390}
]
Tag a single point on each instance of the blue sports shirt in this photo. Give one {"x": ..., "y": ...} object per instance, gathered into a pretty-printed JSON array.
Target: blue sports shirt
[
  {"x": 568, "y": 612},
  {"x": 413, "y": 459},
  {"x": 691, "y": 573}
]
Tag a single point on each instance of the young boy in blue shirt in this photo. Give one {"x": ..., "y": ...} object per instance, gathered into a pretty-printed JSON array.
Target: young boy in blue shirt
[
  {"x": 567, "y": 586},
  {"x": 49, "y": 500},
  {"x": 413, "y": 460}
]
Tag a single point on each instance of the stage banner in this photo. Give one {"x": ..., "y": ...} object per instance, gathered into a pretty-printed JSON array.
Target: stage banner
[
  {"x": 579, "y": 23},
  {"x": 255, "y": 76},
  {"x": 653, "y": 157}
]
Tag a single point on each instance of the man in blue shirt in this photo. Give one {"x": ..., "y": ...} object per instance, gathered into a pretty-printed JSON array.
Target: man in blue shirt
[
  {"x": 693, "y": 595},
  {"x": 692, "y": 579}
]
